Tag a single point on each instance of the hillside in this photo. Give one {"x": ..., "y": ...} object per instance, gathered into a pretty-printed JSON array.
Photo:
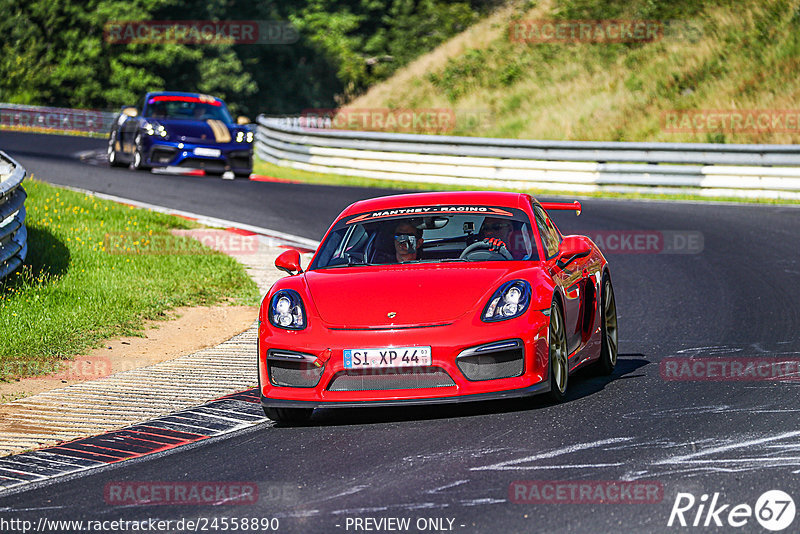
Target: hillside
[{"x": 730, "y": 57}]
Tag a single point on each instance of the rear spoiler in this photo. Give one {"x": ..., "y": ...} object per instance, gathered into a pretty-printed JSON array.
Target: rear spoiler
[{"x": 562, "y": 206}]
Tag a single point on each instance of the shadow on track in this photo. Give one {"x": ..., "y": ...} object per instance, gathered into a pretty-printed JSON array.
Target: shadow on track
[{"x": 582, "y": 384}]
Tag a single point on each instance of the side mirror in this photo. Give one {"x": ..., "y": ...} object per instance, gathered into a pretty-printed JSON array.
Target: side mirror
[
  {"x": 572, "y": 248},
  {"x": 130, "y": 111},
  {"x": 242, "y": 120},
  {"x": 289, "y": 262}
]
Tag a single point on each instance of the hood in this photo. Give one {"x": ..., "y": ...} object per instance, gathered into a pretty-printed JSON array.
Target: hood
[
  {"x": 362, "y": 297},
  {"x": 210, "y": 131}
]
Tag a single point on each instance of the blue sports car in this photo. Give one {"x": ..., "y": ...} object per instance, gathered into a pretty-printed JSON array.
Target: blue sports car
[{"x": 173, "y": 129}]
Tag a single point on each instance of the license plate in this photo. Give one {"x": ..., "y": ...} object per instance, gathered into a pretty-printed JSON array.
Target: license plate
[
  {"x": 388, "y": 357},
  {"x": 210, "y": 152}
]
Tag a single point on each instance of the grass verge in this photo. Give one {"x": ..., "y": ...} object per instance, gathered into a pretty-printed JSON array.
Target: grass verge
[
  {"x": 52, "y": 131},
  {"x": 73, "y": 292},
  {"x": 296, "y": 175}
]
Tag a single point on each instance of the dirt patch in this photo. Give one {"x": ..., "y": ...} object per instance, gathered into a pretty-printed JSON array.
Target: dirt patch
[{"x": 193, "y": 329}]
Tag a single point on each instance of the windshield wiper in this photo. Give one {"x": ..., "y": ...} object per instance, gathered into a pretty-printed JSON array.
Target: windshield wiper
[
  {"x": 348, "y": 264},
  {"x": 441, "y": 260}
]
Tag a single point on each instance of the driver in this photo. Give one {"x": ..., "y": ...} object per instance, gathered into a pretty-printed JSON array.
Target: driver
[
  {"x": 199, "y": 112},
  {"x": 407, "y": 241},
  {"x": 159, "y": 110},
  {"x": 496, "y": 232}
]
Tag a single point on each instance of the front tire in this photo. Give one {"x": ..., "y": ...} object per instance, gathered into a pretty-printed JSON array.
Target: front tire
[
  {"x": 558, "y": 357},
  {"x": 609, "y": 332},
  {"x": 289, "y": 415},
  {"x": 113, "y": 157},
  {"x": 138, "y": 156}
]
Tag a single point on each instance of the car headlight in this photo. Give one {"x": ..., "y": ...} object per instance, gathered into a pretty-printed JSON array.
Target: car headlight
[
  {"x": 509, "y": 301},
  {"x": 286, "y": 310},
  {"x": 151, "y": 128},
  {"x": 242, "y": 136}
]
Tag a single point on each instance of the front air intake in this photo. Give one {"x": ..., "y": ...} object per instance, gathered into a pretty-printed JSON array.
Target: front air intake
[
  {"x": 501, "y": 359},
  {"x": 388, "y": 379},
  {"x": 292, "y": 369}
]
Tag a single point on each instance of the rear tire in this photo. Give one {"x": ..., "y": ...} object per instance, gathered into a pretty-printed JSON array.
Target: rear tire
[
  {"x": 608, "y": 316},
  {"x": 558, "y": 356},
  {"x": 289, "y": 415}
]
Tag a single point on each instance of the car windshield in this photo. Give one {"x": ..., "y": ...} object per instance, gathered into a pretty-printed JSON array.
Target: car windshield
[
  {"x": 187, "y": 108},
  {"x": 430, "y": 234}
]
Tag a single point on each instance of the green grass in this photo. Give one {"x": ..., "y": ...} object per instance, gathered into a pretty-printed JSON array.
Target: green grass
[
  {"x": 74, "y": 292},
  {"x": 296, "y": 175},
  {"x": 53, "y": 131}
]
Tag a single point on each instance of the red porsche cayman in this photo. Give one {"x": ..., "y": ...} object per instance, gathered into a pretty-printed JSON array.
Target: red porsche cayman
[{"x": 431, "y": 298}]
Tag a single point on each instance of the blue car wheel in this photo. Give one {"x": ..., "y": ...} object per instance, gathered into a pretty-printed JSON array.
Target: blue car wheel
[{"x": 138, "y": 156}]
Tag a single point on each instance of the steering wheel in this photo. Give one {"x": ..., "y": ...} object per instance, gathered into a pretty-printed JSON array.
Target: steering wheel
[{"x": 481, "y": 251}]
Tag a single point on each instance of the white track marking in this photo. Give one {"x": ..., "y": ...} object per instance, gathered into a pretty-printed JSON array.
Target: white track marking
[
  {"x": 513, "y": 465},
  {"x": 692, "y": 458},
  {"x": 203, "y": 219}
]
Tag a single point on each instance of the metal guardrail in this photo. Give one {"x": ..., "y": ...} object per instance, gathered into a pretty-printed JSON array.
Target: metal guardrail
[
  {"x": 57, "y": 119},
  {"x": 13, "y": 236},
  {"x": 766, "y": 171}
]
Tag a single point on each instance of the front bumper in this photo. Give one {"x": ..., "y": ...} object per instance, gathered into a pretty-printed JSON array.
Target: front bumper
[
  {"x": 536, "y": 389},
  {"x": 447, "y": 342},
  {"x": 236, "y": 157}
]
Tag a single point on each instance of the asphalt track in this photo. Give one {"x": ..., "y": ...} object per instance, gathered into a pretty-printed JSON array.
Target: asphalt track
[{"x": 739, "y": 297}]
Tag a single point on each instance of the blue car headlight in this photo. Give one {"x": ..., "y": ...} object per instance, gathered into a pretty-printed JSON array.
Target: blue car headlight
[
  {"x": 154, "y": 129},
  {"x": 242, "y": 136},
  {"x": 286, "y": 310},
  {"x": 509, "y": 301}
]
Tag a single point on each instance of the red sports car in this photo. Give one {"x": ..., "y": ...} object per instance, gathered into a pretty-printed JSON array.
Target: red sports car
[{"x": 435, "y": 297}]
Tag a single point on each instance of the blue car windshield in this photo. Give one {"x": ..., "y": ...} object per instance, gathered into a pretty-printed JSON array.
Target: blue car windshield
[
  {"x": 440, "y": 234},
  {"x": 188, "y": 110}
]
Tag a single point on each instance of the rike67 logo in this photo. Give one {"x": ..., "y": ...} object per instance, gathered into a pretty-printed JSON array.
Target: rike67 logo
[{"x": 774, "y": 510}]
